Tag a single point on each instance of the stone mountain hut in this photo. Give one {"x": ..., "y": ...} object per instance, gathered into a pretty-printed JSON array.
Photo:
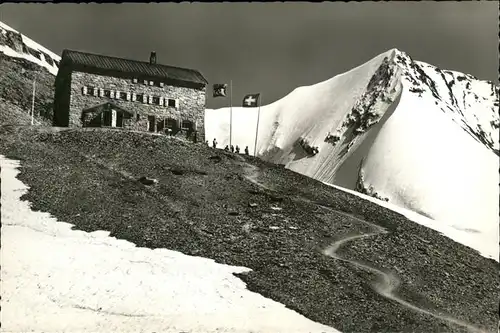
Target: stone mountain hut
[{"x": 101, "y": 91}]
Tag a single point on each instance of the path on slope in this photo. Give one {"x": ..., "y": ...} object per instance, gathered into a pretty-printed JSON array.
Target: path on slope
[{"x": 389, "y": 281}]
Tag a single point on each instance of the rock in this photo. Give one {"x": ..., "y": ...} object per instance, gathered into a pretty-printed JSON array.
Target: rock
[
  {"x": 254, "y": 191},
  {"x": 252, "y": 204},
  {"x": 215, "y": 158},
  {"x": 177, "y": 171},
  {"x": 233, "y": 213},
  {"x": 275, "y": 198},
  {"x": 273, "y": 227},
  {"x": 276, "y": 208},
  {"x": 247, "y": 227},
  {"x": 148, "y": 181}
]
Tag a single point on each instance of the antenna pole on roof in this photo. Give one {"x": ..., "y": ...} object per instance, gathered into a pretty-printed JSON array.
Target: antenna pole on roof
[
  {"x": 230, "y": 112},
  {"x": 33, "y": 103}
]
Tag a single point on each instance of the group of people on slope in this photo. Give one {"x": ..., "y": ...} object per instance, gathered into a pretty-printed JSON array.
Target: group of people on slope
[{"x": 229, "y": 148}]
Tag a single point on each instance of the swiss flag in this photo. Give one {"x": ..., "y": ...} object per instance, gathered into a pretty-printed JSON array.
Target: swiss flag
[{"x": 251, "y": 101}]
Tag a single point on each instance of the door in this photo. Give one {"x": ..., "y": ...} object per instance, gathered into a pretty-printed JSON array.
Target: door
[
  {"x": 113, "y": 118},
  {"x": 160, "y": 125},
  {"x": 119, "y": 119},
  {"x": 106, "y": 118},
  {"x": 151, "y": 123}
]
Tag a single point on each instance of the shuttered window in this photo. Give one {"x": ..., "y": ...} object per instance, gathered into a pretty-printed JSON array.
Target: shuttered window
[
  {"x": 134, "y": 80},
  {"x": 150, "y": 99},
  {"x": 187, "y": 125},
  {"x": 161, "y": 101},
  {"x": 162, "y": 84},
  {"x": 177, "y": 104},
  {"x": 127, "y": 97},
  {"x": 171, "y": 103},
  {"x": 101, "y": 92},
  {"x": 134, "y": 97},
  {"x": 84, "y": 90},
  {"x": 112, "y": 94}
]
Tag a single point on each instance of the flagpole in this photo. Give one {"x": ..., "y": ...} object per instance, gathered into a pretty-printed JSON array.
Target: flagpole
[
  {"x": 257, "y": 129},
  {"x": 33, "y": 104},
  {"x": 231, "y": 112}
]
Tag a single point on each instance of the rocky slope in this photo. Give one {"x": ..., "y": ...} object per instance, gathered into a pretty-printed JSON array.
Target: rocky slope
[
  {"x": 23, "y": 61},
  {"x": 274, "y": 221}
]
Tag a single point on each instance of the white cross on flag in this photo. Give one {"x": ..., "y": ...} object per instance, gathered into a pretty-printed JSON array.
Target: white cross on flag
[{"x": 250, "y": 101}]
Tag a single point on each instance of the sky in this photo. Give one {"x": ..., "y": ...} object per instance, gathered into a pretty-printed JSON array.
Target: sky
[{"x": 270, "y": 48}]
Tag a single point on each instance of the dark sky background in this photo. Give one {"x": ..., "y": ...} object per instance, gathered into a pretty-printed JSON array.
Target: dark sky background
[{"x": 270, "y": 48}]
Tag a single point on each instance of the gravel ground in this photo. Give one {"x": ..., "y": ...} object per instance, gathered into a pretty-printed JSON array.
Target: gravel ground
[{"x": 203, "y": 205}]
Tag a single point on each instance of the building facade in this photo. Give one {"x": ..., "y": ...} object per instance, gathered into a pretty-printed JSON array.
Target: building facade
[{"x": 100, "y": 91}]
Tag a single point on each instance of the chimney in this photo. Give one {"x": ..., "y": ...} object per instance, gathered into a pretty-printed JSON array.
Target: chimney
[{"x": 152, "y": 58}]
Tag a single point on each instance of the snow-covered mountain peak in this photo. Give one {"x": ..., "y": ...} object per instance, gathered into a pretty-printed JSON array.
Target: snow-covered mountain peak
[
  {"x": 471, "y": 103},
  {"x": 468, "y": 101},
  {"x": 17, "y": 45}
]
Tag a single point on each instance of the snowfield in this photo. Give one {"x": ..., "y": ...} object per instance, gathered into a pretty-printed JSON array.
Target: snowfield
[
  {"x": 6, "y": 33},
  {"x": 403, "y": 131},
  {"x": 55, "y": 279}
]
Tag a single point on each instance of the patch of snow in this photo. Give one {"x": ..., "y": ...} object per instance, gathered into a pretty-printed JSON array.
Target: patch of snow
[
  {"x": 58, "y": 279},
  {"x": 423, "y": 138},
  {"x": 8, "y": 51}
]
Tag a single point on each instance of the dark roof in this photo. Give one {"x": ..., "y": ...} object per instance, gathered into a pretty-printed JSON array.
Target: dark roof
[{"x": 102, "y": 62}]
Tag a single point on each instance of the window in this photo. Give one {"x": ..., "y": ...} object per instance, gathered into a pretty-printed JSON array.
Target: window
[
  {"x": 48, "y": 59},
  {"x": 151, "y": 83},
  {"x": 139, "y": 97},
  {"x": 137, "y": 117},
  {"x": 84, "y": 90},
  {"x": 112, "y": 94},
  {"x": 187, "y": 125},
  {"x": 160, "y": 125},
  {"x": 91, "y": 91},
  {"x": 101, "y": 92},
  {"x": 162, "y": 84},
  {"x": 171, "y": 102},
  {"x": 107, "y": 93},
  {"x": 123, "y": 95},
  {"x": 145, "y": 82},
  {"x": 156, "y": 100},
  {"x": 171, "y": 123},
  {"x": 134, "y": 80},
  {"x": 150, "y": 99},
  {"x": 34, "y": 53}
]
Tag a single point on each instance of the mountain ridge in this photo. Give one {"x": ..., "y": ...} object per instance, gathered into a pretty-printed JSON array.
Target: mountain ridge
[
  {"x": 378, "y": 129},
  {"x": 17, "y": 45}
]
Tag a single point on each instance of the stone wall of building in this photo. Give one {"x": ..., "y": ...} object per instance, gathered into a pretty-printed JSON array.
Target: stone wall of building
[{"x": 191, "y": 102}]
